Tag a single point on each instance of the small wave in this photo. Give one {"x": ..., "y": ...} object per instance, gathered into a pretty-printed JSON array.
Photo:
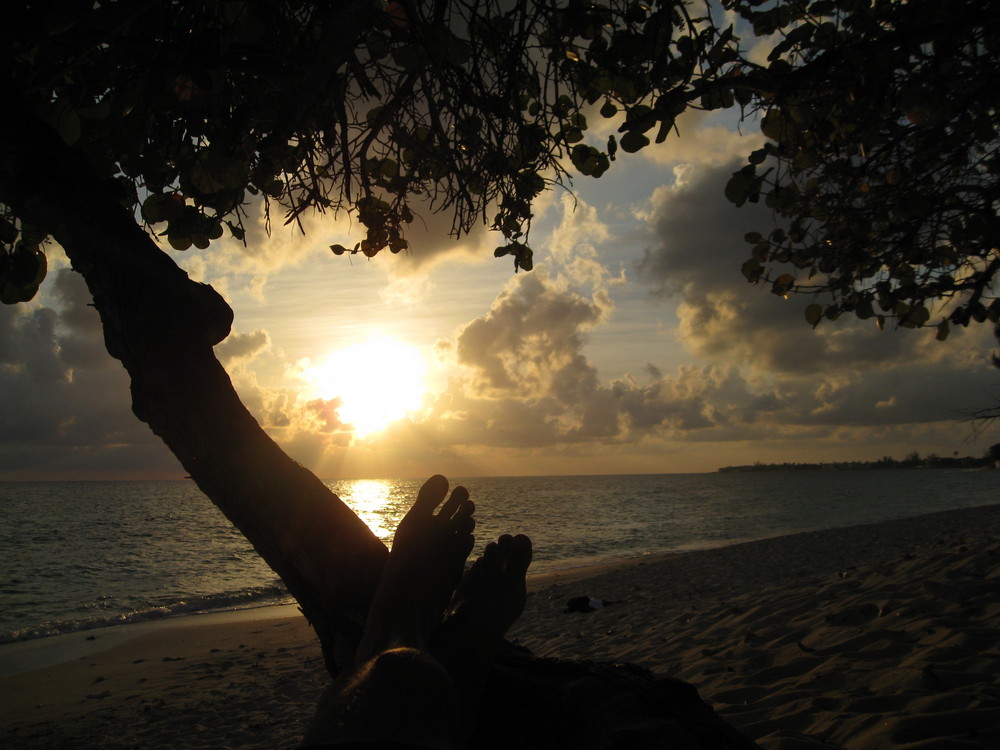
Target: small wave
[{"x": 274, "y": 594}]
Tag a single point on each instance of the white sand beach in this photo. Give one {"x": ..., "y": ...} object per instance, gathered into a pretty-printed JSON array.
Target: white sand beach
[{"x": 878, "y": 636}]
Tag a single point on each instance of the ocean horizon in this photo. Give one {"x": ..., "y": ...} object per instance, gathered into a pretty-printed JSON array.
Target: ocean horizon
[{"x": 87, "y": 554}]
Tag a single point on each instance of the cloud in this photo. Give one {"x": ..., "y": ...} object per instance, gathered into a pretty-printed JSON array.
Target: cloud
[
  {"x": 707, "y": 139},
  {"x": 527, "y": 381},
  {"x": 67, "y": 411},
  {"x": 531, "y": 337},
  {"x": 242, "y": 346},
  {"x": 527, "y": 386},
  {"x": 695, "y": 256},
  {"x": 66, "y": 401},
  {"x": 842, "y": 373},
  {"x": 526, "y": 393}
]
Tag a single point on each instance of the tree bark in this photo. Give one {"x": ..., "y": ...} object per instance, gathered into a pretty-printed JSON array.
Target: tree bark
[{"x": 162, "y": 326}]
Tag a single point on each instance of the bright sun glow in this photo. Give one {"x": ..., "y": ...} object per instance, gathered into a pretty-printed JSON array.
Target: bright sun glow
[{"x": 378, "y": 382}]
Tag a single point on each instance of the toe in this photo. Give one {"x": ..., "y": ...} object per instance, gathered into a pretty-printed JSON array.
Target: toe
[
  {"x": 462, "y": 525},
  {"x": 464, "y": 520},
  {"x": 492, "y": 560},
  {"x": 467, "y": 544},
  {"x": 455, "y": 503},
  {"x": 430, "y": 495},
  {"x": 520, "y": 556}
]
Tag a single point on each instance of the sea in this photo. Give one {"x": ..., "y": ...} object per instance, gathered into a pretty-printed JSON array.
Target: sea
[{"x": 81, "y": 555}]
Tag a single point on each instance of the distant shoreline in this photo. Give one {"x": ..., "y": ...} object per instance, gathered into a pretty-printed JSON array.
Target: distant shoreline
[{"x": 931, "y": 462}]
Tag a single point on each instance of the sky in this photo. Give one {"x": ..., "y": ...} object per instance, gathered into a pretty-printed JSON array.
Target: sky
[{"x": 635, "y": 346}]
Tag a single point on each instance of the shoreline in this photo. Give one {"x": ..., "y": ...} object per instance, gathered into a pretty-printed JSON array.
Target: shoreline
[
  {"x": 575, "y": 569},
  {"x": 856, "y": 637}
]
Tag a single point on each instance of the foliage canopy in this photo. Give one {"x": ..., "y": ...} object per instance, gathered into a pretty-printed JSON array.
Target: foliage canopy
[
  {"x": 882, "y": 159},
  {"x": 475, "y": 107},
  {"x": 881, "y": 115}
]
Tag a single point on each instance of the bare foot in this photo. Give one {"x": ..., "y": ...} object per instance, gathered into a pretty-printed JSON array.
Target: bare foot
[
  {"x": 424, "y": 567},
  {"x": 488, "y": 601}
]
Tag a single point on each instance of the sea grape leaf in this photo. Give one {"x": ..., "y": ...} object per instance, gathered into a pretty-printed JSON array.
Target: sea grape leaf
[{"x": 814, "y": 314}]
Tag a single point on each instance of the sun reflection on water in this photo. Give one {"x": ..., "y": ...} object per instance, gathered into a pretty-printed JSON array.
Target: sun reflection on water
[{"x": 380, "y": 503}]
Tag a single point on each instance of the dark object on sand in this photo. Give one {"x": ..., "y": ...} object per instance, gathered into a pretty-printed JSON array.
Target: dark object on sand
[
  {"x": 586, "y": 604},
  {"x": 534, "y": 704}
]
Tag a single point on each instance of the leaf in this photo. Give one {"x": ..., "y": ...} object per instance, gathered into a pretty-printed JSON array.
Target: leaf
[
  {"x": 65, "y": 121},
  {"x": 523, "y": 259},
  {"x": 8, "y": 232},
  {"x": 274, "y": 188},
  {"x": 213, "y": 230},
  {"x": 601, "y": 163},
  {"x": 150, "y": 210},
  {"x": 738, "y": 189},
  {"x": 775, "y": 126},
  {"x": 609, "y": 109},
  {"x": 633, "y": 141},
  {"x": 378, "y": 45},
  {"x": 993, "y": 313},
  {"x": 942, "y": 331},
  {"x": 178, "y": 242},
  {"x": 752, "y": 270},
  {"x": 588, "y": 160},
  {"x": 99, "y": 111},
  {"x": 783, "y": 284},
  {"x": 814, "y": 314},
  {"x": 666, "y": 124},
  {"x": 409, "y": 56},
  {"x": 27, "y": 267},
  {"x": 639, "y": 118},
  {"x": 338, "y": 249},
  {"x": 236, "y": 230},
  {"x": 919, "y": 315}
]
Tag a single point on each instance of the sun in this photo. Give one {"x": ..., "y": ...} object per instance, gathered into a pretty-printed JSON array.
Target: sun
[{"x": 378, "y": 381}]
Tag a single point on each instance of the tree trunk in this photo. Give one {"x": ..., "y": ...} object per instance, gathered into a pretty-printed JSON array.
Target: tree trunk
[{"x": 162, "y": 326}]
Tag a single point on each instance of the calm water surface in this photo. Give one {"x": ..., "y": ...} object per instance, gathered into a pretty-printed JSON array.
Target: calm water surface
[{"x": 75, "y": 555}]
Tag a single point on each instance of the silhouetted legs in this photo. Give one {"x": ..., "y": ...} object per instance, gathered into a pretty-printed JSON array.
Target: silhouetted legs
[{"x": 430, "y": 635}]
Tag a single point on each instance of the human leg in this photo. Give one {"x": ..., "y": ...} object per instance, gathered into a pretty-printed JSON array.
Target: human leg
[
  {"x": 396, "y": 691},
  {"x": 489, "y": 600},
  {"x": 417, "y": 679}
]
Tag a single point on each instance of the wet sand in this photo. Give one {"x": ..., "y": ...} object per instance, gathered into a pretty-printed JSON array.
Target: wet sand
[{"x": 878, "y": 636}]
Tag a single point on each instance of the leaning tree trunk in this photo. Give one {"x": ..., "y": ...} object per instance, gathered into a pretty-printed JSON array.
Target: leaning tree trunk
[{"x": 162, "y": 326}]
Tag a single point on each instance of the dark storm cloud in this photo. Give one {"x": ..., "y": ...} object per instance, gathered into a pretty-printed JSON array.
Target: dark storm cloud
[
  {"x": 66, "y": 401},
  {"x": 696, "y": 255},
  {"x": 844, "y": 372}
]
